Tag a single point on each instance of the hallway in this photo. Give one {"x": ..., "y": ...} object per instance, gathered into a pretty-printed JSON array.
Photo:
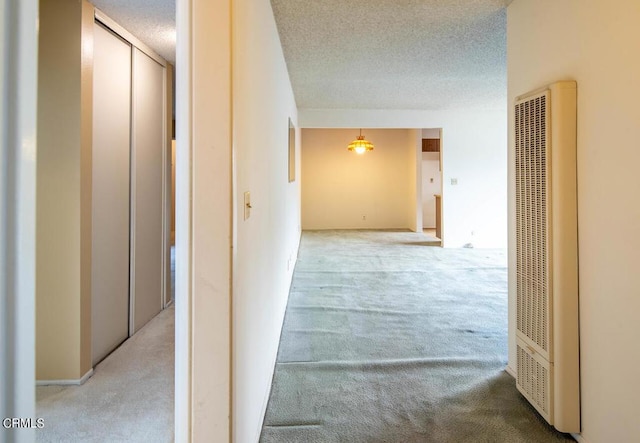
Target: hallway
[
  {"x": 130, "y": 396},
  {"x": 389, "y": 340}
]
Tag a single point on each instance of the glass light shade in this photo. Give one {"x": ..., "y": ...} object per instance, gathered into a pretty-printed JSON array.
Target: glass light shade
[{"x": 360, "y": 145}]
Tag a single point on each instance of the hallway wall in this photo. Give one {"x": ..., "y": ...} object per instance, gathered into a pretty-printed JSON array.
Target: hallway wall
[
  {"x": 594, "y": 43},
  {"x": 266, "y": 244}
]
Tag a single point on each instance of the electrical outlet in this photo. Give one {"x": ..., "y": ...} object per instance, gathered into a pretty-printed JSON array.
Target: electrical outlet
[
  {"x": 454, "y": 181},
  {"x": 364, "y": 217}
]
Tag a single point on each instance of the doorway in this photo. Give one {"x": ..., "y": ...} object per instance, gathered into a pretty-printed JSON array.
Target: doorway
[
  {"x": 431, "y": 183},
  {"x": 127, "y": 161},
  {"x": 19, "y": 198}
]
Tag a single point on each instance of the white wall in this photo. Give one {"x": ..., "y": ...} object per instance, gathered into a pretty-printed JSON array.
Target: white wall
[
  {"x": 266, "y": 244},
  {"x": 345, "y": 190},
  {"x": 594, "y": 43},
  {"x": 474, "y": 149}
]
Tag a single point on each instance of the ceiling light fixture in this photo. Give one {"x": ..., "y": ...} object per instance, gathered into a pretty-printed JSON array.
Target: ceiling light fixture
[{"x": 360, "y": 145}]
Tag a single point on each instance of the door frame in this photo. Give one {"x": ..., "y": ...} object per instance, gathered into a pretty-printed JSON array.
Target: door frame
[
  {"x": 203, "y": 220},
  {"x": 18, "y": 116},
  {"x": 419, "y": 175},
  {"x": 204, "y": 215}
]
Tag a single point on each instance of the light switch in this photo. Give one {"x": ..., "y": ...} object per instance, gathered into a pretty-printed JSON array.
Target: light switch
[
  {"x": 247, "y": 205},
  {"x": 454, "y": 181}
]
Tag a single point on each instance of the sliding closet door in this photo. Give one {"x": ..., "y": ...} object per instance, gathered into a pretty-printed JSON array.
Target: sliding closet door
[
  {"x": 110, "y": 242},
  {"x": 148, "y": 148}
]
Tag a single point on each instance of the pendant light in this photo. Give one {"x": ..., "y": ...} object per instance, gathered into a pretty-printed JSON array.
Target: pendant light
[{"x": 360, "y": 145}]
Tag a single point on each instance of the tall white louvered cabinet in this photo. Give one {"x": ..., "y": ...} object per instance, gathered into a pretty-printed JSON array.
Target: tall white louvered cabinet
[{"x": 547, "y": 337}]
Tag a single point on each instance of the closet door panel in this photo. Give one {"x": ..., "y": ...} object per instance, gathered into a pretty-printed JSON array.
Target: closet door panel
[
  {"x": 148, "y": 149},
  {"x": 110, "y": 181}
]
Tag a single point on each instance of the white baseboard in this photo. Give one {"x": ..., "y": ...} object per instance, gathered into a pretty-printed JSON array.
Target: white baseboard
[
  {"x": 579, "y": 438},
  {"x": 511, "y": 371},
  {"x": 77, "y": 382}
]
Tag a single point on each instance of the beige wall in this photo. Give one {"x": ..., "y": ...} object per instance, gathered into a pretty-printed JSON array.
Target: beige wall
[
  {"x": 594, "y": 43},
  {"x": 63, "y": 238},
  {"x": 266, "y": 244},
  {"x": 340, "y": 187}
]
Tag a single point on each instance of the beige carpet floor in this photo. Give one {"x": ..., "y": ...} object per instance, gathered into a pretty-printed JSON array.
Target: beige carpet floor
[
  {"x": 129, "y": 398},
  {"x": 389, "y": 340}
]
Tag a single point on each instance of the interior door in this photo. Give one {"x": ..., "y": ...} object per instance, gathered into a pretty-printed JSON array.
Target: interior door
[
  {"x": 148, "y": 152},
  {"x": 111, "y": 188}
]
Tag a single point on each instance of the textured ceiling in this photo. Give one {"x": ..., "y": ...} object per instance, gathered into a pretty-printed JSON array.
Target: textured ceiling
[
  {"x": 368, "y": 54},
  {"x": 395, "y": 54},
  {"x": 151, "y": 21}
]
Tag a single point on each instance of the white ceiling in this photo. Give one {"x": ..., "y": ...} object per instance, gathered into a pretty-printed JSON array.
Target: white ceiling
[
  {"x": 395, "y": 54},
  {"x": 369, "y": 54}
]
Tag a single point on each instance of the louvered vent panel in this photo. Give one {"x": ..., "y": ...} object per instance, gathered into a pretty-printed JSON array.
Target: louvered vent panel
[
  {"x": 546, "y": 246},
  {"x": 531, "y": 220},
  {"x": 534, "y": 380}
]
